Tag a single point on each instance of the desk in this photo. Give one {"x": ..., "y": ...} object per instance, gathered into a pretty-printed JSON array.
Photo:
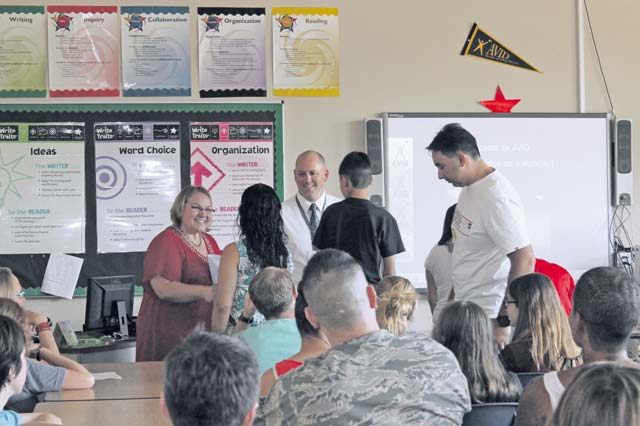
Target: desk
[
  {"x": 140, "y": 380},
  {"x": 139, "y": 412},
  {"x": 121, "y": 350}
]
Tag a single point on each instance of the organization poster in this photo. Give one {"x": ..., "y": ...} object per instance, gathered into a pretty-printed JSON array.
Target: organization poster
[
  {"x": 23, "y": 54},
  {"x": 231, "y": 47},
  {"x": 84, "y": 57},
  {"x": 42, "y": 191},
  {"x": 305, "y": 51},
  {"x": 226, "y": 158},
  {"x": 156, "y": 58},
  {"x": 137, "y": 179}
]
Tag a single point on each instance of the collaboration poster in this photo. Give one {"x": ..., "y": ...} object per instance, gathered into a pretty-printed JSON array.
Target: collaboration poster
[
  {"x": 137, "y": 179},
  {"x": 226, "y": 158},
  {"x": 23, "y": 55},
  {"x": 156, "y": 57},
  {"x": 42, "y": 194},
  {"x": 305, "y": 51},
  {"x": 231, "y": 51},
  {"x": 84, "y": 57}
]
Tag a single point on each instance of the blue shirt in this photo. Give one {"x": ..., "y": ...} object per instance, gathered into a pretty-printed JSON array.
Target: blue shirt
[
  {"x": 273, "y": 341},
  {"x": 9, "y": 418}
]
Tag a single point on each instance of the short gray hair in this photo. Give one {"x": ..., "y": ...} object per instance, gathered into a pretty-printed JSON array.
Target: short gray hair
[
  {"x": 271, "y": 290},
  {"x": 335, "y": 288}
]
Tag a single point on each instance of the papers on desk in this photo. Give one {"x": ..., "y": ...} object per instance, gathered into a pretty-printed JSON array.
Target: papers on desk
[
  {"x": 214, "y": 267},
  {"x": 61, "y": 275},
  {"x": 107, "y": 375}
]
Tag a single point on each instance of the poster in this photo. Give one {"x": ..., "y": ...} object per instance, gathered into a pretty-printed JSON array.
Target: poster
[
  {"x": 137, "y": 179},
  {"x": 156, "y": 57},
  {"x": 84, "y": 57},
  {"x": 305, "y": 51},
  {"x": 226, "y": 158},
  {"x": 231, "y": 46},
  {"x": 42, "y": 193},
  {"x": 23, "y": 54}
]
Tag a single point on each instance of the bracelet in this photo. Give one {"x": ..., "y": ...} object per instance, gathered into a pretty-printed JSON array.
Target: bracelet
[
  {"x": 43, "y": 326},
  {"x": 244, "y": 319},
  {"x": 35, "y": 353}
]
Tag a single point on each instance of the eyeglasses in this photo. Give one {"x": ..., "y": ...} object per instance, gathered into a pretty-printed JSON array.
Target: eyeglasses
[
  {"x": 20, "y": 294},
  {"x": 508, "y": 302},
  {"x": 200, "y": 209}
]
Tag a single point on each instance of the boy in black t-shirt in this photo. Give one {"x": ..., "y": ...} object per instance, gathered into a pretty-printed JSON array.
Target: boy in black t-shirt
[{"x": 357, "y": 226}]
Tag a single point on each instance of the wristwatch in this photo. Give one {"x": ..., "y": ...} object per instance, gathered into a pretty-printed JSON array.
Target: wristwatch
[{"x": 244, "y": 319}]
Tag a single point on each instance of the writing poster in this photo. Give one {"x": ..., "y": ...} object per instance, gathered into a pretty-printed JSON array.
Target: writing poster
[
  {"x": 84, "y": 57},
  {"x": 137, "y": 179},
  {"x": 231, "y": 51},
  {"x": 23, "y": 54},
  {"x": 42, "y": 194},
  {"x": 305, "y": 51},
  {"x": 226, "y": 158},
  {"x": 156, "y": 58}
]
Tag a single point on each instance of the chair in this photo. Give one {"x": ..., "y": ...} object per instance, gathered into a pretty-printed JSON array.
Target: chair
[
  {"x": 491, "y": 414},
  {"x": 527, "y": 377}
]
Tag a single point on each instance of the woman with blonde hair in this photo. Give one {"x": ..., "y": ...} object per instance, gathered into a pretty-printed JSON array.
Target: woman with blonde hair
[
  {"x": 465, "y": 329},
  {"x": 601, "y": 394},
  {"x": 542, "y": 337},
  {"x": 396, "y": 303}
]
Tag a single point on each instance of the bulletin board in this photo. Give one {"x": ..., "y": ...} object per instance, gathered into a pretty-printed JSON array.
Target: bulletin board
[{"x": 30, "y": 267}]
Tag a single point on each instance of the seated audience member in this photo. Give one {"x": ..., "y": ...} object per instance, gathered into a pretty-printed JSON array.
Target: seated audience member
[
  {"x": 561, "y": 280},
  {"x": 211, "y": 380},
  {"x": 601, "y": 394},
  {"x": 54, "y": 374},
  {"x": 273, "y": 293},
  {"x": 314, "y": 343},
  {"x": 542, "y": 338},
  {"x": 13, "y": 373},
  {"x": 437, "y": 267},
  {"x": 369, "y": 376},
  {"x": 396, "y": 303},
  {"x": 465, "y": 329},
  {"x": 606, "y": 309},
  {"x": 367, "y": 232}
]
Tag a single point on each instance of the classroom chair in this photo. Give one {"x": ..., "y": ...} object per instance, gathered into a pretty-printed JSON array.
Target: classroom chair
[{"x": 491, "y": 414}]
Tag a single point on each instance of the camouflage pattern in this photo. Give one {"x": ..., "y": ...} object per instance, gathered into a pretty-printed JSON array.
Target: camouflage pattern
[{"x": 376, "y": 379}]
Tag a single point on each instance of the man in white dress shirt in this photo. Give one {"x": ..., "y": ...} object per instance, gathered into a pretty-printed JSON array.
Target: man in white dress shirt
[{"x": 302, "y": 212}]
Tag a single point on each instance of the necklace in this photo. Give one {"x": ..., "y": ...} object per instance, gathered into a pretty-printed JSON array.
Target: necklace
[{"x": 193, "y": 243}]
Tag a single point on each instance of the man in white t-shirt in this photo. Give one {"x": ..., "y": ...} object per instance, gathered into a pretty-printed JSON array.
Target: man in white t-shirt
[
  {"x": 302, "y": 212},
  {"x": 492, "y": 246}
]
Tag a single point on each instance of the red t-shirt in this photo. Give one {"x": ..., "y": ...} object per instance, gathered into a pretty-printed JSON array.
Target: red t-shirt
[
  {"x": 285, "y": 366},
  {"x": 162, "y": 324},
  {"x": 561, "y": 279}
]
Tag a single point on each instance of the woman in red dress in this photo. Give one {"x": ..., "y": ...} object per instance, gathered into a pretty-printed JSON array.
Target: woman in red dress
[{"x": 177, "y": 283}]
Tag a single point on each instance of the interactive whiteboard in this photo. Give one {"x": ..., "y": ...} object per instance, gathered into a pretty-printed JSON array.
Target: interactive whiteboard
[{"x": 559, "y": 164}]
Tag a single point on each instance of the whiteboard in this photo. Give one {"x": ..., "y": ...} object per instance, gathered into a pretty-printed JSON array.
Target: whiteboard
[{"x": 559, "y": 164}]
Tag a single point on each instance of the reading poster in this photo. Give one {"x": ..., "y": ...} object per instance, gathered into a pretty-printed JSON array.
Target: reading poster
[
  {"x": 42, "y": 193},
  {"x": 84, "y": 56},
  {"x": 156, "y": 58}
]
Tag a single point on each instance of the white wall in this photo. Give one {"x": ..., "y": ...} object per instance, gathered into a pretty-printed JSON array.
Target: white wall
[{"x": 404, "y": 56}]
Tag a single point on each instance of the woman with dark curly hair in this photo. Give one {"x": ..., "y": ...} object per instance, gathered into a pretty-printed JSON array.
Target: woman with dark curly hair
[{"x": 262, "y": 243}]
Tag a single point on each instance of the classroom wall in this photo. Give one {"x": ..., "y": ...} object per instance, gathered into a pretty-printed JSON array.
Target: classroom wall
[{"x": 404, "y": 56}]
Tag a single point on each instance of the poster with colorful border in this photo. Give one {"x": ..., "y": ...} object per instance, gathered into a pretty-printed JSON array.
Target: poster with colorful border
[
  {"x": 137, "y": 179},
  {"x": 84, "y": 57},
  {"x": 42, "y": 192},
  {"x": 156, "y": 54},
  {"x": 226, "y": 158},
  {"x": 305, "y": 51},
  {"x": 23, "y": 54},
  {"x": 231, "y": 47}
]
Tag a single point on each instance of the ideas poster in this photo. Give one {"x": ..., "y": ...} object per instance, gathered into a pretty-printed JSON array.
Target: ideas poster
[
  {"x": 137, "y": 178},
  {"x": 231, "y": 50},
  {"x": 23, "y": 54},
  {"x": 156, "y": 57},
  {"x": 84, "y": 57},
  {"x": 305, "y": 51},
  {"x": 226, "y": 158},
  {"x": 42, "y": 193}
]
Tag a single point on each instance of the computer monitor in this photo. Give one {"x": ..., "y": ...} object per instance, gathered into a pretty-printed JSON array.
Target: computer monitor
[{"x": 109, "y": 304}]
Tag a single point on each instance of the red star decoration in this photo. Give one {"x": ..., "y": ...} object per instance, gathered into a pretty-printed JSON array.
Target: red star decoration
[{"x": 499, "y": 103}]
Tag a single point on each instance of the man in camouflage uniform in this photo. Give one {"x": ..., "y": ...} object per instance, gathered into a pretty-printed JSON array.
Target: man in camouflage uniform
[{"x": 369, "y": 376}]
